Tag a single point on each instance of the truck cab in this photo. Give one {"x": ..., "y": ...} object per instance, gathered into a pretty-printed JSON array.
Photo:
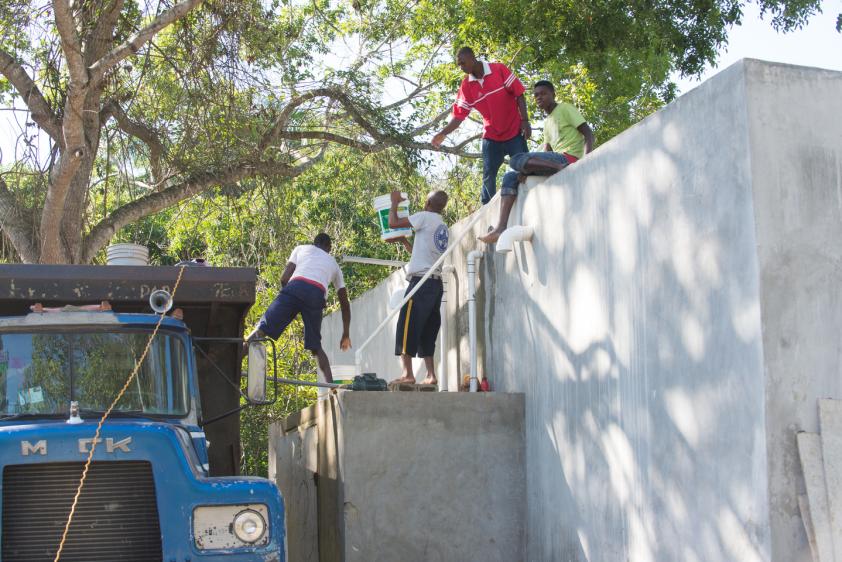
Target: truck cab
[{"x": 150, "y": 493}]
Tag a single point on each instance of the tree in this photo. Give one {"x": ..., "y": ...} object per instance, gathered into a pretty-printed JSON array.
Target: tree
[{"x": 148, "y": 105}]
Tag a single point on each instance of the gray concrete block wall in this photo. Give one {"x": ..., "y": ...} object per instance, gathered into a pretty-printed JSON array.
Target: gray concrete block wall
[
  {"x": 408, "y": 476},
  {"x": 671, "y": 324}
]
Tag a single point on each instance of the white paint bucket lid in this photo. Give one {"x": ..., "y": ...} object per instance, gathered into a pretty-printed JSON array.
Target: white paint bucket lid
[
  {"x": 127, "y": 254},
  {"x": 385, "y": 201}
]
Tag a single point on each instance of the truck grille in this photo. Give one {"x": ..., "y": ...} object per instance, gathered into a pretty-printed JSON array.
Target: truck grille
[{"x": 116, "y": 517}]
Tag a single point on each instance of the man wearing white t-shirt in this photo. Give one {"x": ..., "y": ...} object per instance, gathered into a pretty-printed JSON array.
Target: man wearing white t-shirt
[
  {"x": 420, "y": 317},
  {"x": 308, "y": 272}
]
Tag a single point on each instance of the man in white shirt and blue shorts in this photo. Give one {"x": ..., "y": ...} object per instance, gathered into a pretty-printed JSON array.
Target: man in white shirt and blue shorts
[
  {"x": 420, "y": 317},
  {"x": 308, "y": 272}
]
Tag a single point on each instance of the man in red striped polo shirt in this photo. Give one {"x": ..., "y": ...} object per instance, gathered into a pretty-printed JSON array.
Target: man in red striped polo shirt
[{"x": 497, "y": 94}]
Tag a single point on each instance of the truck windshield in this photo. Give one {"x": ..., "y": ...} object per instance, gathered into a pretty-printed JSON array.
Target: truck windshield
[{"x": 41, "y": 372}]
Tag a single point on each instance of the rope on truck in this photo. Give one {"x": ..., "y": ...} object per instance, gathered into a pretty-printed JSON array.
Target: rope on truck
[{"x": 105, "y": 415}]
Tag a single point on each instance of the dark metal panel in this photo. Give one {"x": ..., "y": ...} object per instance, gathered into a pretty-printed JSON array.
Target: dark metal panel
[
  {"x": 77, "y": 284},
  {"x": 116, "y": 519}
]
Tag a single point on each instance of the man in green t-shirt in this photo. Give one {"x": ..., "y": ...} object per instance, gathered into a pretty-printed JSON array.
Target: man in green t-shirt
[{"x": 567, "y": 137}]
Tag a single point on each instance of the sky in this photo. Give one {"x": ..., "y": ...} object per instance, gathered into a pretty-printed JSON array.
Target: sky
[{"x": 817, "y": 44}]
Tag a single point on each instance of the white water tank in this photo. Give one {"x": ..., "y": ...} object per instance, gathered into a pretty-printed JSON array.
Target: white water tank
[{"x": 127, "y": 254}]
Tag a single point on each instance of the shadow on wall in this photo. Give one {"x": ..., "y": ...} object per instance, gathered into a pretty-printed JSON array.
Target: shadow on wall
[{"x": 637, "y": 342}]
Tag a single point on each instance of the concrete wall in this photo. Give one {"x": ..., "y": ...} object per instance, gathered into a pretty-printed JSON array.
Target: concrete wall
[
  {"x": 294, "y": 465},
  {"x": 409, "y": 476},
  {"x": 637, "y": 342},
  {"x": 671, "y": 324},
  {"x": 795, "y": 128}
]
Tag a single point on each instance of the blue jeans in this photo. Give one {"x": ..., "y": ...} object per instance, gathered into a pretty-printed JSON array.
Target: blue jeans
[
  {"x": 493, "y": 153},
  {"x": 518, "y": 163}
]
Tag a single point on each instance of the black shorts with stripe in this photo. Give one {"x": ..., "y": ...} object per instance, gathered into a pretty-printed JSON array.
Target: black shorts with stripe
[{"x": 420, "y": 320}]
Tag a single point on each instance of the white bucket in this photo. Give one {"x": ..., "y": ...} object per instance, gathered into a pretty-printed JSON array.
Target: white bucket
[
  {"x": 344, "y": 372},
  {"x": 127, "y": 254},
  {"x": 382, "y": 204}
]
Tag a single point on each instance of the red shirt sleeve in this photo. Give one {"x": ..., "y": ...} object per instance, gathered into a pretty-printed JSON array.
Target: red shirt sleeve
[
  {"x": 511, "y": 82},
  {"x": 461, "y": 109}
]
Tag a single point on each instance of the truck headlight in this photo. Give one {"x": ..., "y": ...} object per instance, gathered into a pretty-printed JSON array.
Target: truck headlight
[
  {"x": 230, "y": 526},
  {"x": 249, "y": 526}
]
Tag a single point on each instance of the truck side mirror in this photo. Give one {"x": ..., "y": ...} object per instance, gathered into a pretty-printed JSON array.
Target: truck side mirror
[{"x": 256, "y": 372}]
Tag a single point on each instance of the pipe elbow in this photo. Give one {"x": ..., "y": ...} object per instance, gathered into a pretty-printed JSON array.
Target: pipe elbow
[
  {"x": 514, "y": 234},
  {"x": 474, "y": 255}
]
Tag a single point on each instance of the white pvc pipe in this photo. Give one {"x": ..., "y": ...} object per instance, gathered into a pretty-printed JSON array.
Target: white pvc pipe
[
  {"x": 372, "y": 261},
  {"x": 445, "y": 271},
  {"x": 513, "y": 234},
  {"x": 358, "y": 357},
  {"x": 473, "y": 257}
]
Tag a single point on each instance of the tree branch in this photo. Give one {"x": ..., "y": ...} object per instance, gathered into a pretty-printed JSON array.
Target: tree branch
[
  {"x": 136, "y": 41},
  {"x": 334, "y": 138},
  {"x": 331, "y": 93},
  {"x": 100, "y": 234},
  {"x": 382, "y": 140},
  {"x": 467, "y": 141},
  {"x": 104, "y": 30},
  {"x": 40, "y": 110},
  {"x": 138, "y": 130},
  {"x": 377, "y": 147},
  {"x": 410, "y": 96},
  {"x": 70, "y": 44},
  {"x": 101, "y": 39},
  {"x": 427, "y": 126},
  {"x": 17, "y": 225},
  {"x": 309, "y": 162},
  {"x": 155, "y": 202}
]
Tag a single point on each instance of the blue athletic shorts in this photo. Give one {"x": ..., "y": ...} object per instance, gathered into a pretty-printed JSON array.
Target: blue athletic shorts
[{"x": 298, "y": 297}]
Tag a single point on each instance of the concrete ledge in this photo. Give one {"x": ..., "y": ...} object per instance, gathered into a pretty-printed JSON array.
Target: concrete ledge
[{"x": 299, "y": 420}]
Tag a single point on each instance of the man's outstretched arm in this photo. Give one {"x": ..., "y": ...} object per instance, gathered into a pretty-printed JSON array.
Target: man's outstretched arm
[
  {"x": 449, "y": 128},
  {"x": 345, "y": 305},
  {"x": 394, "y": 220},
  {"x": 287, "y": 274}
]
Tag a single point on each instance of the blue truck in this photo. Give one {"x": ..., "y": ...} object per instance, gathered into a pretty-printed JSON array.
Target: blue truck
[{"x": 163, "y": 484}]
